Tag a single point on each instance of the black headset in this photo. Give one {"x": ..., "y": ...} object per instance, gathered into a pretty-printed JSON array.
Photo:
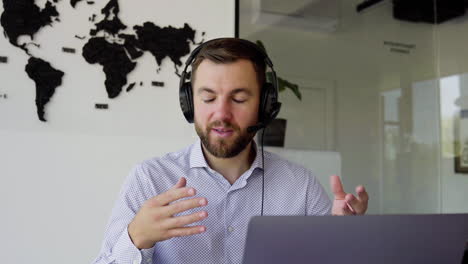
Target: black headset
[{"x": 269, "y": 105}]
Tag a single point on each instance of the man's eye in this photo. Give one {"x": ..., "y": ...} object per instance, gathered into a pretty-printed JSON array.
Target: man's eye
[
  {"x": 207, "y": 100},
  {"x": 239, "y": 101}
]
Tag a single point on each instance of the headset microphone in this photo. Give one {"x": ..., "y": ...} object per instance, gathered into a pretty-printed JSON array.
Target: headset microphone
[
  {"x": 275, "y": 108},
  {"x": 255, "y": 128}
]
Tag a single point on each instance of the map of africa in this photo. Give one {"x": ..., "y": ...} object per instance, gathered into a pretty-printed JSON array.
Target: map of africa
[{"x": 107, "y": 45}]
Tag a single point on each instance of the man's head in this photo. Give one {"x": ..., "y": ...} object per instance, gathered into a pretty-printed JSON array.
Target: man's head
[
  {"x": 226, "y": 50},
  {"x": 227, "y": 76}
]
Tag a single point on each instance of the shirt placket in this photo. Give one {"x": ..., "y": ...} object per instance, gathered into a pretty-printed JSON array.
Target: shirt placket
[{"x": 228, "y": 226}]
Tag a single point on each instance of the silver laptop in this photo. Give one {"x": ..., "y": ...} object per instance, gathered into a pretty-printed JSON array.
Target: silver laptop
[{"x": 401, "y": 239}]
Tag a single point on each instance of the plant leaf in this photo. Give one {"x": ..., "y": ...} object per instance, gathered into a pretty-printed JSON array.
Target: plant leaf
[{"x": 283, "y": 84}]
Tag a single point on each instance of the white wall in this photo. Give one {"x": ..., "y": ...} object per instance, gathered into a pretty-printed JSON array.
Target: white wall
[
  {"x": 59, "y": 179},
  {"x": 58, "y": 190}
]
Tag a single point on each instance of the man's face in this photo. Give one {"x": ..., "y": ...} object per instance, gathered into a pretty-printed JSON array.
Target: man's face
[{"x": 226, "y": 101}]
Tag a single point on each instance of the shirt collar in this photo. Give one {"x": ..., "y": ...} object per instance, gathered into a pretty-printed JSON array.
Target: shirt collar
[
  {"x": 257, "y": 163},
  {"x": 197, "y": 158}
]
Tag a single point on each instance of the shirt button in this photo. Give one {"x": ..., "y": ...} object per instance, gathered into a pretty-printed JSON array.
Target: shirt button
[
  {"x": 149, "y": 260},
  {"x": 231, "y": 229}
]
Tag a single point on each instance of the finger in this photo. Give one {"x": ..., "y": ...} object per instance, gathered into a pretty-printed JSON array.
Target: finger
[
  {"x": 184, "y": 205},
  {"x": 172, "y": 195},
  {"x": 363, "y": 198},
  {"x": 182, "y": 182},
  {"x": 362, "y": 193},
  {"x": 337, "y": 187},
  {"x": 354, "y": 204},
  {"x": 181, "y": 221},
  {"x": 351, "y": 209},
  {"x": 344, "y": 210},
  {"x": 185, "y": 231}
]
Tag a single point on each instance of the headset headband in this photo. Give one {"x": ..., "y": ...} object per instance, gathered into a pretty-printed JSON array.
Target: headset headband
[{"x": 195, "y": 52}]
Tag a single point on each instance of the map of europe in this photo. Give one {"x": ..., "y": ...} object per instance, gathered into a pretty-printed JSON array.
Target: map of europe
[{"x": 116, "y": 52}]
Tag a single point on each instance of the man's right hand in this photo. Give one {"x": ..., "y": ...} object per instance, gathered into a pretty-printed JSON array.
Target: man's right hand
[{"x": 155, "y": 221}]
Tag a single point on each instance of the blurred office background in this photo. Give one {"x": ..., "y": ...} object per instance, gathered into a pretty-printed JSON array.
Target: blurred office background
[
  {"x": 383, "y": 85},
  {"x": 384, "y": 92}
]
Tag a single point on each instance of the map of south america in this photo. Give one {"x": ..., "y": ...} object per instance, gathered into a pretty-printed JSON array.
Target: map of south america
[{"x": 46, "y": 78}]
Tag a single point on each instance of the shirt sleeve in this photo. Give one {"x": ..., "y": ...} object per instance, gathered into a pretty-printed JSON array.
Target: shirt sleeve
[
  {"x": 117, "y": 247},
  {"x": 318, "y": 202}
]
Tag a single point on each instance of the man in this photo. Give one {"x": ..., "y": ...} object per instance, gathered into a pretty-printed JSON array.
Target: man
[{"x": 193, "y": 206}]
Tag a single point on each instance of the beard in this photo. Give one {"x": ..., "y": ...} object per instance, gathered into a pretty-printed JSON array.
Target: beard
[{"x": 220, "y": 147}]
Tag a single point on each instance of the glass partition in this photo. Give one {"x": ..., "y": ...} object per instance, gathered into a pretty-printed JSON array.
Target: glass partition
[{"x": 383, "y": 84}]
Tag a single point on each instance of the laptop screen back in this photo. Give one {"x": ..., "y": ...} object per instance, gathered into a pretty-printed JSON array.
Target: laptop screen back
[{"x": 357, "y": 239}]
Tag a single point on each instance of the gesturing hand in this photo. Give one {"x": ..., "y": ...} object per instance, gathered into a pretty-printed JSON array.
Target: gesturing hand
[
  {"x": 348, "y": 204},
  {"x": 155, "y": 221}
]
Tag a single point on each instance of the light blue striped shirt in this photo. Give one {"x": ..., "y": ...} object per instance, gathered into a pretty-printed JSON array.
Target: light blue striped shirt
[{"x": 289, "y": 190}]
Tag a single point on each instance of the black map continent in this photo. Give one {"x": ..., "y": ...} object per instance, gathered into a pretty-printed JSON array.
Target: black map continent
[
  {"x": 115, "y": 62},
  {"x": 46, "y": 78},
  {"x": 110, "y": 25},
  {"x": 108, "y": 46},
  {"x": 24, "y": 17},
  {"x": 116, "y": 58},
  {"x": 165, "y": 42},
  {"x": 74, "y": 2}
]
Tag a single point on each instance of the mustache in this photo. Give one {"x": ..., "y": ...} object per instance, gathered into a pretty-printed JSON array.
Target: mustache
[{"x": 219, "y": 123}]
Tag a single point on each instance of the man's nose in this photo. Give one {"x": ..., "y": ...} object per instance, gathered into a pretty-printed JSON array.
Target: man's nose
[{"x": 223, "y": 110}]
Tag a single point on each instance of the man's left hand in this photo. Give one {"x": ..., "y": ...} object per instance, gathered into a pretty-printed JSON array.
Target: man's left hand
[{"x": 346, "y": 203}]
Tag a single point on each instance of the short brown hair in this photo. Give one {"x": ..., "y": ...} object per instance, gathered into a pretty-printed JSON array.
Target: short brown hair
[{"x": 228, "y": 50}]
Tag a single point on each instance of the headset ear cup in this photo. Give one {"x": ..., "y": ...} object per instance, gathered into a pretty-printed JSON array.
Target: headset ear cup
[
  {"x": 267, "y": 101},
  {"x": 186, "y": 101},
  {"x": 190, "y": 102}
]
